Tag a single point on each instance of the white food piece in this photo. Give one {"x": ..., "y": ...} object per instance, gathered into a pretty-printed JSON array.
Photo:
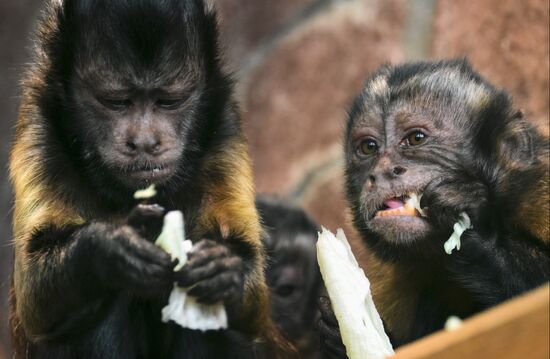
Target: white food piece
[
  {"x": 453, "y": 323},
  {"x": 349, "y": 290},
  {"x": 181, "y": 308},
  {"x": 146, "y": 193},
  {"x": 459, "y": 227},
  {"x": 414, "y": 200},
  {"x": 172, "y": 238}
]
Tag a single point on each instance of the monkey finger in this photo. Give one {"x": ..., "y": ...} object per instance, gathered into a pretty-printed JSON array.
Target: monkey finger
[
  {"x": 148, "y": 252},
  {"x": 327, "y": 313},
  {"x": 232, "y": 295},
  {"x": 149, "y": 275},
  {"x": 331, "y": 343},
  {"x": 133, "y": 274},
  {"x": 329, "y": 331},
  {"x": 204, "y": 244},
  {"x": 188, "y": 275},
  {"x": 147, "y": 220},
  {"x": 223, "y": 286},
  {"x": 206, "y": 293},
  {"x": 217, "y": 253},
  {"x": 331, "y": 351},
  {"x": 146, "y": 211}
]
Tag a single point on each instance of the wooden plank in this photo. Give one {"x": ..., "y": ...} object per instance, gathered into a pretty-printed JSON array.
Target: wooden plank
[{"x": 519, "y": 328}]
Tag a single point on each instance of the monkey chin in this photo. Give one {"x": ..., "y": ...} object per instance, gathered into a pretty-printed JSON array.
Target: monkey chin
[{"x": 400, "y": 229}]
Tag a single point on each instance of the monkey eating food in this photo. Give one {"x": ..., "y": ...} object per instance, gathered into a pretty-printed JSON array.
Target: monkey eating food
[
  {"x": 120, "y": 95},
  {"x": 440, "y": 132}
]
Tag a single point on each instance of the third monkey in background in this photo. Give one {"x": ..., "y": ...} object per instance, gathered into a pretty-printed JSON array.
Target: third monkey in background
[
  {"x": 292, "y": 273},
  {"x": 440, "y": 130}
]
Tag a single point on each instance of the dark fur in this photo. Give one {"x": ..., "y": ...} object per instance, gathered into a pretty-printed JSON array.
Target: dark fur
[
  {"x": 292, "y": 272},
  {"x": 87, "y": 282},
  {"x": 481, "y": 157}
]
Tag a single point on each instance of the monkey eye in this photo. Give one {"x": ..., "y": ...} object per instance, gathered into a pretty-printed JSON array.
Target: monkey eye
[
  {"x": 170, "y": 103},
  {"x": 368, "y": 147},
  {"x": 115, "y": 104},
  {"x": 416, "y": 138},
  {"x": 285, "y": 290}
]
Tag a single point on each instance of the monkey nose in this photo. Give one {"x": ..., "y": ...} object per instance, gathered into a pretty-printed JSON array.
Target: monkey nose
[
  {"x": 398, "y": 170},
  {"x": 370, "y": 182},
  {"x": 146, "y": 144}
]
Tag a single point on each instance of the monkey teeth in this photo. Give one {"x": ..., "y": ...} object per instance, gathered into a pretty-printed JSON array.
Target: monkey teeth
[
  {"x": 404, "y": 206},
  {"x": 405, "y": 210}
]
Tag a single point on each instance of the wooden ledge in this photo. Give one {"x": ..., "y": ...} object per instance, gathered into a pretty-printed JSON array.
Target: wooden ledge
[{"x": 519, "y": 328}]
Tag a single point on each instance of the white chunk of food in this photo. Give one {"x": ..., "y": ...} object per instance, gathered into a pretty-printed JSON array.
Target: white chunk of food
[
  {"x": 414, "y": 200},
  {"x": 146, "y": 193},
  {"x": 453, "y": 323},
  {"x": 181, "y": 308},
  {"x": 349, "y": 289},
  {"x": 459, "y": 227}
]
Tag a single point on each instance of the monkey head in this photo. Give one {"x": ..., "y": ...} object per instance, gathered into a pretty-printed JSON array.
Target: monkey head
[
  {"x": 413, "y": 127},
  {"x": 134, "y": 82},
  {"x": 292, "y": 272}
]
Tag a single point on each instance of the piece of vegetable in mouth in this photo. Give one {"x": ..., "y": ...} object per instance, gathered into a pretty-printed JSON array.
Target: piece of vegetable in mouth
[
  {"x": 146, "y": 193},
  {"x": 360, "y": 324},
  {"x": 408, "y": 205}
]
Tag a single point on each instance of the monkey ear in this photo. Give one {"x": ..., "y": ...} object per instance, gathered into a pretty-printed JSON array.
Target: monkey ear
[{"x": 515, "y": 145}]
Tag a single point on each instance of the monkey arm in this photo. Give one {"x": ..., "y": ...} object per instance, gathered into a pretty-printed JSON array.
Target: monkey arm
[
  {"x": 65, "y": 278},
  {"x": 497, "y": 266},
  {"x": 497, "y": 259},
  {"x": 229, "y": 210},
  {"x": 51, "y": 296}
]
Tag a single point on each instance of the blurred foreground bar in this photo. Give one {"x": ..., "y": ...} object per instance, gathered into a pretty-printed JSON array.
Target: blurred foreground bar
[{"x": 518, "y": 329}]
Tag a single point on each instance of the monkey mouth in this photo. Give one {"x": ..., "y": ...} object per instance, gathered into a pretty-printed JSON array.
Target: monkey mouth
[
  {"x": 399, "y": 219},
  {"x": 148, "y": 174},
  {"x": 404, "y": 205},
  {"x": 399, "y": 206}
]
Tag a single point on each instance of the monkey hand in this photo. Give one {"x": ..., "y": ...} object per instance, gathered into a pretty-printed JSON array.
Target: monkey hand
[
  {"x": 147, "y": 220},
  {"x": 120, "y": 258},
  {"x": 213, "y": 273},
  {"x": 446, "y": 198},
  {"x": 331, "y": 341}
]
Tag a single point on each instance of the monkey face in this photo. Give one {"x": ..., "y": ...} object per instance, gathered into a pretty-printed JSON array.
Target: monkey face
[
  {"x": 385, "y": 174},
  {"x": 294, "y": 280},
  {"x": 139, "y": 133},
  {"x": 136, "y": 88},
  {"x": 407, "y": 128}
]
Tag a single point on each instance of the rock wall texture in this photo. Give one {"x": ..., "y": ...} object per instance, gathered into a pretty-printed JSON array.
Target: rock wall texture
[{"x": 299, "y": 64}]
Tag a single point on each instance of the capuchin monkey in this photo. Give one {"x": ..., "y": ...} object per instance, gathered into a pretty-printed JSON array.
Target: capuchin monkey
[
  {"x": 292, "y": 272},
  {"x": 440, "y": 130},
  {"x": 123, "y": 94}
]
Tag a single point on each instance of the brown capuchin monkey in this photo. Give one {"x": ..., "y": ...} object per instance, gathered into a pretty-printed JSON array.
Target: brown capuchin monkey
[
  {"x": 123, "y": 94},
  {"x": 440, "y": 130}
]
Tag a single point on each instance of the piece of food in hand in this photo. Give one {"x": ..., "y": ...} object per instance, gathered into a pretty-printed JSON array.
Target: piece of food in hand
[
  {"x": 146, "y": 193},
  {"x": 406, "y": 205},
  {"x": 181, "y": 308},
  {"x": 360, "y": 325},
  {"x": 459, "y": 227},
  {"x": 172, "y": 238}
]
